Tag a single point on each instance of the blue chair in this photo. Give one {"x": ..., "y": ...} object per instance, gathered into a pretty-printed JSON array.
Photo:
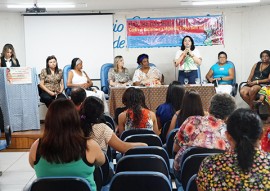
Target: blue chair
[
  {"x": 104, "y": 77},
  {"x": 60, "y": 184},
  {"x": 143, "y": 162},
  {"x": 234, "y": 84},
  {"x": 140, "y": 181},
  {"x": 136, "y": 131},
  {"x": 191, "y": 185},
  {"x": 149, "y": 139},
  {"x": 66, "y": 69},
  {"x": 170, "y": 142}
]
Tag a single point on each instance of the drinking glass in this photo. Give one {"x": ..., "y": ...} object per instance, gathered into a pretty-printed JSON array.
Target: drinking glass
[
  {"x": 197, "y": 80},
  {"x": 186, "y": 81}
]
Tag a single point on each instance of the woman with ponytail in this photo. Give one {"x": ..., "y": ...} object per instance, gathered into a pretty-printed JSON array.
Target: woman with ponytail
[
  {"x": 245, "y": 167},
  {"x": 137, "y": 115}
]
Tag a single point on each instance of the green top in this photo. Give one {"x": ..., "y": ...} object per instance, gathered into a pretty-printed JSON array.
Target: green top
[{"x": 79, "y": 168}]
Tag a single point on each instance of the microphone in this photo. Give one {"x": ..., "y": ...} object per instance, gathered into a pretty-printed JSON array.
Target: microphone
[{"x": 188, "y": 47}]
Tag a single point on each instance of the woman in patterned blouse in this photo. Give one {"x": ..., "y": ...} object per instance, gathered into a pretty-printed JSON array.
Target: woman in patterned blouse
[
  {"x": 245, "y": 166},
  {"x": 51, "y": 82},
  {"x": 119, "y": 75}
]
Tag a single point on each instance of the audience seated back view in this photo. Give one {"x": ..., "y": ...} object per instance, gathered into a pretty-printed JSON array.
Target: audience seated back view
[
  {"x": 78, "y": 78},
  {"x": 205, "y": 131},
  {"x": 119, "y": 75},
  {"x": 63, "y": 149},
  {"x": 223, "y": 73},
  {"x": 8, "y": 57},
  {"x": 136, "y": 115},
  {"x": 258, "y": 77},
  {"x": 174, "y": 97},
  {"x": 146, "y": 75},
  {"x": 91, "y": 112},
  {"x": 51, "y": 82},
  {"x": 191, "y": 106},
  {"x": 78, "y": 95},
  {"x": 245, "y": 166}
]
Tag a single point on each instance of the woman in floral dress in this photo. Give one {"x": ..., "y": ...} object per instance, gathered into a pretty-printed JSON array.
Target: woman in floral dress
[{"x": 245, "y": 166}]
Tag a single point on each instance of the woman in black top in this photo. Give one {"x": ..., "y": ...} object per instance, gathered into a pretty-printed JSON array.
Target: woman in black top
[
  {"x": 8, "y": 57},
  {"x": 259, "y": 75}
]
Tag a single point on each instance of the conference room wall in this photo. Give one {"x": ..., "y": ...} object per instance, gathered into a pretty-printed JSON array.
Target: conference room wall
[{"x": 245, "y": 32}]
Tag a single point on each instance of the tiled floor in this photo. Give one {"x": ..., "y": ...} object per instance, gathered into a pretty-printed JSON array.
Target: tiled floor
[{"x": 17, "y": 173}]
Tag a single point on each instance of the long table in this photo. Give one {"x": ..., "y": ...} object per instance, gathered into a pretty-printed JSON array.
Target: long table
[{"x": 154, "y": 96}]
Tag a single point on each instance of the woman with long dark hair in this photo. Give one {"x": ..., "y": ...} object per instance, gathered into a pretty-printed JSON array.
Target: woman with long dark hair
[
  {"x": 187, "y": 59},
  {"x": 245, "y": 166},
  {"x": 136, "y": 115},
  {"x": 63, "y": 150},
  {"x": 192, "y": 106},
  {"x": 51, "y": 81}
]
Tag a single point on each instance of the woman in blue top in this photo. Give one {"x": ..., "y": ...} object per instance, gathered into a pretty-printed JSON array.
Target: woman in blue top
[
  {"x": 223, "y": 73},
  {"x": 63, "y": 149}
]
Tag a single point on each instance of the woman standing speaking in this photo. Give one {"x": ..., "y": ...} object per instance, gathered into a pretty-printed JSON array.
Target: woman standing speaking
[{"x": 187, "y": 59}]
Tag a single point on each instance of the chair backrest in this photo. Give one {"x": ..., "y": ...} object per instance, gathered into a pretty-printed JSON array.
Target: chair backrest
[
  {"x": 135, "y": 132},
  {"x": 164, "y": 131},
  {"x": 197, "y": 150},
  {"x": 60, "y": 184},
  {"x": 110, "y": 120},
  {"x": 149, "y": 139},
  {"x": 140, "y": 181},
  {"x": 66, "y": 69},
  {"x": 234, "y": 84},
  {"x": 142, "y": 162},
  {"x": 104, "y": 77},
  {"x": 150, "y": 150},
  {"x": 191, "y": 166},
  {"x": 98, "y": 177},
  {"x": 199, "y": 73},
  {"x": 170, "y": 142},
  {"x": 106, "y": 171},
  {"x": 191, "y": 185}
]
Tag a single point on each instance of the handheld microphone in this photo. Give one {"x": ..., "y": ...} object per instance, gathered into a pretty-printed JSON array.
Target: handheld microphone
[{"x": 188, "y": 47}]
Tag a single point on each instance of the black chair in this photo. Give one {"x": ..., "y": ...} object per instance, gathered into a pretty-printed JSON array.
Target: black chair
[
  {"x": 197, "y": 150},
  {"x": 191, "y": 166},
  {"x": 150, "y": 150},
  {"x": 149, "y": 139},
  {"x": 191, "y": 185},
  {"x": 164, "y": 131},
  {"x": 110, "y": 120},
  {"x": 142, "y": 162},
  {"x": 98, "y": 177},
  {"x": 107, "y": 171},
  {"x": 140, "y": 181},
  {"x": 135, "y": 132},
  {"x": 170, "y": 142},
  {"x": 60, "y": 184}
]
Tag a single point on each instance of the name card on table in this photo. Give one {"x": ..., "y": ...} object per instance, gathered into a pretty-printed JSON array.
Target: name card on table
[{"x": 19, "y": 75}]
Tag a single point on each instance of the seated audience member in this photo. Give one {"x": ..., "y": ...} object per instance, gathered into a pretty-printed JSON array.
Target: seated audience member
[
  {"x": 63, "y": 149},
  {"x": 223, "y": 73},
  {"x": 191, "y": 106},
  {"x": 205, "y": 131},
  {"x": 259, "y": 76},
  {"x": 51, "y": 82},
  {"x": 245, "y": 166},
  {"x": 91, "y": 113},
  {"x": 174, "y": 97},
  {"x": 146, "y": 75},
  {"x": 8, "y": 57},
  {"x": 78, "y": 95},
  {"x": 119, "y": 75},
  {"x": 78, "y": 78},
  {"x": 136, "y": 115}
]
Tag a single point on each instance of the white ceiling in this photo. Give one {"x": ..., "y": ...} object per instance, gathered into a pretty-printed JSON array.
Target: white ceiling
[{"x": 118, "y": 5}]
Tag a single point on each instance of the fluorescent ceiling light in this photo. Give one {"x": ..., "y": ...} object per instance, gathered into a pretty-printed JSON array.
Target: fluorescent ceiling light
[
  {"x": 54, "y": 5},
  {"x": 224, "y": 2}
]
